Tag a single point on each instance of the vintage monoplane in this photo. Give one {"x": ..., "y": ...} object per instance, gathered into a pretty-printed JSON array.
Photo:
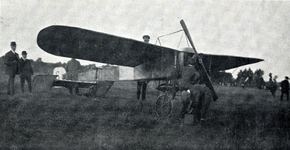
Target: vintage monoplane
[{"x": 149, "y": 61}]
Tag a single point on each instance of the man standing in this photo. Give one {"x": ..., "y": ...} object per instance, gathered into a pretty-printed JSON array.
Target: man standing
[
  {"x": 142, "y": 85},
  {"x": 11, "y": 60},
  {"x": 272, "y": 84},
  {"x": 72, "y": 69},
  {"x": 285, "y": 88},
  {"x": 26, "y": 71}
]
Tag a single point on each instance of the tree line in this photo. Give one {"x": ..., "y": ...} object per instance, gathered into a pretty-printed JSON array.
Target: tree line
[{"x": 245, "y": 77}]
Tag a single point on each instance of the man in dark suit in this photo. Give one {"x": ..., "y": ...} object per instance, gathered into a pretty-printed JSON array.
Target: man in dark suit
[
  {"x": 142, "y": 84},
  {"x": 189, "y": 74},
  {"x": 73, "y": 67},
  {"x": 26, "y": 71},
  {"x": 285, "y": 88},
  {"x": 11, "y": 60},
  {"x": 189, "y": 78}
]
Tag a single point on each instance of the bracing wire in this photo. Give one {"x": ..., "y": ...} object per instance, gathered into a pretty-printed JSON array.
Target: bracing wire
[
  {"x": 158, "y": 38},
  {"x": 180, "y": 41}
]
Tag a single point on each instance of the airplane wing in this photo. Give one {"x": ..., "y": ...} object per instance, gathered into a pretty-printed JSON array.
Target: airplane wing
[
  {"x": 224, "y": 62},
  {"x": 84, "y": 44}
]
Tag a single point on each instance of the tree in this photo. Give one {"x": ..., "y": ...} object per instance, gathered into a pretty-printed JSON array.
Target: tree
[
  {"x": 223, "y": 78},
  {"x": 250, "y": 76},
  {"x": 258, "y": 78},
  {"x": 245, "y": 77},
  {"x": 259, "y": 73}
]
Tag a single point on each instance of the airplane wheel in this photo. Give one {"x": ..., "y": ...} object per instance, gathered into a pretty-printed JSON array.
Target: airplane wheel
[
  {"x": 164, "y": 106},
  {"x": 92, "y": 91}
]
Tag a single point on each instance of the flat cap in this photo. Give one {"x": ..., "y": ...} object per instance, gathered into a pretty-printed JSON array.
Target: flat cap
[
  {"x": 24, "y": 53},
  {"x": 146, "y": 37}
]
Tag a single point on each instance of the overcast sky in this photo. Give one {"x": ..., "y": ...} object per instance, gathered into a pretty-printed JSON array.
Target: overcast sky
[{"x": 259, "y": 29}]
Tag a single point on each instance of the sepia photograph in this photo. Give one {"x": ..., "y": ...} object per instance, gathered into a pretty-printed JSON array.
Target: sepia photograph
[{"x": 140, "y": 75}]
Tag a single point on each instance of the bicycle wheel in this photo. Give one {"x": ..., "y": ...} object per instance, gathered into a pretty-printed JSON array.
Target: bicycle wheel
[{"x": 163, "y": 106}]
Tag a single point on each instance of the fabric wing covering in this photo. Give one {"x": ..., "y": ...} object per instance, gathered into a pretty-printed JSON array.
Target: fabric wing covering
[
  {"x": 99, "y": 47},
  {"x": 94, "y": 46}
]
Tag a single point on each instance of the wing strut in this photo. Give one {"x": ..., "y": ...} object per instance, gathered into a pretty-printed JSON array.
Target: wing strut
[{"x": 208, "y": 81}]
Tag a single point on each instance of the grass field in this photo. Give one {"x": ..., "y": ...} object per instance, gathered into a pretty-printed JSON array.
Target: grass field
[{"x": 240, "y": 119}]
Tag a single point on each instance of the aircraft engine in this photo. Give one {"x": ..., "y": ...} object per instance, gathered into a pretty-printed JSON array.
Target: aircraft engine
[{"x": 184, "y": 54}]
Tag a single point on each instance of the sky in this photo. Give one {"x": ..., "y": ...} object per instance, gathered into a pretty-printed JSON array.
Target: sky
[{"x": 258, "y": 29}]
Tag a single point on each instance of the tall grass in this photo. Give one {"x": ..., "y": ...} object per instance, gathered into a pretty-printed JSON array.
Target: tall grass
[{"x": 240, "y": 119}]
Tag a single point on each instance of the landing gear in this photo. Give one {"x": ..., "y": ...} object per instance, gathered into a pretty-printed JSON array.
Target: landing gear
[
  {"x": 99, "y": 89},
  {"x": 73, "y": 88},
  {"x": 92, "y": 90},
  {"x": 163, "y": 105}
]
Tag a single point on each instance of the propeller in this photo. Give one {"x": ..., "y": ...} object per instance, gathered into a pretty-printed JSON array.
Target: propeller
[{"x": 208, "y": 80}]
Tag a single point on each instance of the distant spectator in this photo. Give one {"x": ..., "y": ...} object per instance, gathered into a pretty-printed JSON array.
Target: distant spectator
[
  {"x": 11, "y": 60},
  {"x": 270, "y": 77},
  {"x": 72, "y": 69},
  {"x": 285, "y": 88},
  {"x": 272, "y": 85},
  {"x": 26, "y": 71}
]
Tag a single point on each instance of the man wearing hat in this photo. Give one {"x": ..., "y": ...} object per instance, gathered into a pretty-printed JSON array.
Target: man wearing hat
[
  {"x": 285, "y": 88},
  {"x": 189, "y": 77},
  {"x": 11, "y": 60},
  {"x": 146, "y": 38},
  {"x": 142, "y": 85},
  {"x": 26, "y": 71}
]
